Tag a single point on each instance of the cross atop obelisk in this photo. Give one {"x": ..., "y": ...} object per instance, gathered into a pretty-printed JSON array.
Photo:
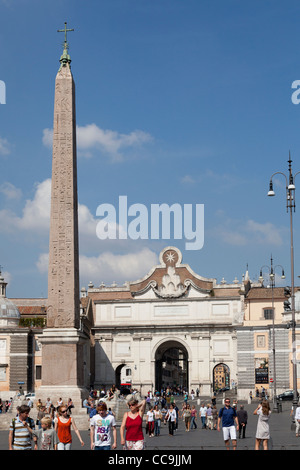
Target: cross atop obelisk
[
  {"x": 65, "y": 57},
  {"x": 65, "y": 31}
]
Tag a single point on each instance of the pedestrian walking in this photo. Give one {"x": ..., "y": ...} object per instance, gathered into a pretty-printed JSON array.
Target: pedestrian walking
[
  {"x": 164, "y": 412},
  {"x": 101, "y": 425},
  {"x": 193, "y": 417},
  {"x": 202, "y": 415},
  {"x": 213, "y": 399},
  {"x": 209, "y": 417},
  {"x": 40, "y": 415},
  {"x": 187, "y": 417},
  {"x": 63, "y": 425},
  {"x": 157, "y": 420},
  {"x": 177, "y": 415},
  {"x": 297, "y": 419},
  {"x": 263, "y": 431},
  {"x": 148, "y": 400},
  {"x": 214, "y": 412},
  {"x": 46, "y": 436},
  {"x": 150, "y": 422},
  {"x": 20, "y": 437},
  {"x": 132, "y": 422},
  {"x": 242, "y": 416},
  {"x": 171, "y": 418},
  {"x": 228, "y": 416}
]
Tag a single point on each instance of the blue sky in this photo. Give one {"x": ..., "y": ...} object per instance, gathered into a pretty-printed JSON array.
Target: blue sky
[{"x": 184, "y": 102}]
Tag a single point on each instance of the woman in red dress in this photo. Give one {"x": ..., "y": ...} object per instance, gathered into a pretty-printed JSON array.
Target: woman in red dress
[{"x": 133, "y": 423}]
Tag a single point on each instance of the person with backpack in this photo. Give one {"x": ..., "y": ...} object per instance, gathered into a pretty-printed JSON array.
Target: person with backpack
[
  {"x": 19, "y": 437},
  {"x": 228, "y": 416}
]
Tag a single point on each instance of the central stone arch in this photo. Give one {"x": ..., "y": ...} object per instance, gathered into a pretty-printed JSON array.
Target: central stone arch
[{"x": 171, "y": 364}]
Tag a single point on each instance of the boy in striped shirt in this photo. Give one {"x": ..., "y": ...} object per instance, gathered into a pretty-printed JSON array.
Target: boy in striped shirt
[{"x": 19, "y": 434}]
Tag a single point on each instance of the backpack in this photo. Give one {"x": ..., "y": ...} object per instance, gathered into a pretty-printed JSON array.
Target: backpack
[{"x": 29, "y": 420}]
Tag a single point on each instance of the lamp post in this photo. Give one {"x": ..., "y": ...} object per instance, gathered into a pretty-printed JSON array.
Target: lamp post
[
  {"x": 272, "y": 283},
  {"x": 290, "y": 207}
]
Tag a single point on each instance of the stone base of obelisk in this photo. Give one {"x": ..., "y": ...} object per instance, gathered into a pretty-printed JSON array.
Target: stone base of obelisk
[{"x": 65, "y": 366}]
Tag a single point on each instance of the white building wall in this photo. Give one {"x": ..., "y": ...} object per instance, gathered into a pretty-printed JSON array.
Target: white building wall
[{"x": 203, "y": 327}]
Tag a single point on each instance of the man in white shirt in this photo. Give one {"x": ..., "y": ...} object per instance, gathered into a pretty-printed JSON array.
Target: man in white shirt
[
  {"x": 100, "y": 429},
  {"x": 150, "y": 422},
  {"x": 202, "y": 415}
]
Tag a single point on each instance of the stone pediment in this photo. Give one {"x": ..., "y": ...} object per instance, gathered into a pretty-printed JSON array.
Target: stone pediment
[{"x": 171, "y": 279}]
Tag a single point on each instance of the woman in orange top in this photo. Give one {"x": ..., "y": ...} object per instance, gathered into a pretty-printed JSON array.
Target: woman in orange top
[{"x": 63, "y": 425}]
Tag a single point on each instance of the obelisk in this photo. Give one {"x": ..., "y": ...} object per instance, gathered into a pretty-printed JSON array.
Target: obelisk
[{"x": 64, "y": 347}]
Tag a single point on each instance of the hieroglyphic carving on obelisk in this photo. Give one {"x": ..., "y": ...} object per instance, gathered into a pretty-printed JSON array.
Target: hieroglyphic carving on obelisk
[{"x": 63, "y": 274}]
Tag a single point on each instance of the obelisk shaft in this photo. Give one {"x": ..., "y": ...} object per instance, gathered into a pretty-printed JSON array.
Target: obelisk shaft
[{"x": 63, "y": 274}]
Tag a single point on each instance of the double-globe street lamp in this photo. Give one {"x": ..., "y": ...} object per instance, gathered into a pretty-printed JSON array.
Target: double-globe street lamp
[
  {"x": 290, "y": 207},
  {"x": 272, "y": 270}
]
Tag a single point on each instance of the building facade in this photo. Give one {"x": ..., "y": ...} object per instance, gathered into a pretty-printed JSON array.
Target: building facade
[
  {"x": 172, "y": 327},
  {"x": 255, "y": 360}
]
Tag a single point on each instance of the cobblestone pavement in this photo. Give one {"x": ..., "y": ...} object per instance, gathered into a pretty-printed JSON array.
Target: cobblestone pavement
[{"x": 281, "y": 431}]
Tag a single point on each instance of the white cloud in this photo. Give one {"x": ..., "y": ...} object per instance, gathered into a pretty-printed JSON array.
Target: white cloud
[
  {"x": 187, "y": 179},
  {"x": 109, "y": 267},
  {"x": 112, "y": 143},
  {"x": 264, "y": 233},
  {"x": 47, "y": 137},
  {"x": 4, "y": 147},
  {"x": 10, "y": 191},
  {"x": 42, "y": 263},
  {"x": 35, "y": 215},
  {"x": 35, "y": 219},
  {"x": 238, "y": 233}
]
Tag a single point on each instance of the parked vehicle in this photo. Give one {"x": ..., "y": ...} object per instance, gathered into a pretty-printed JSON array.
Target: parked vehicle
[
  {"x": 287, "y": 395},
  {"x": 30, "y": 395}
]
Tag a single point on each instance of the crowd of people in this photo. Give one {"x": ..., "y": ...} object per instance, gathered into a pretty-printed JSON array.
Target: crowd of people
[
  {"x": 53, "y": 428},
  {"x": 228, "y": 418},
  {"x": 4, "y": 407}
]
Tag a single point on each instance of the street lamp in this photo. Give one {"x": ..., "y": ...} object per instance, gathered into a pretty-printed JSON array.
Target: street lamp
[
  {"x": 272, "y": 283},
  {"x": 290, "y": 206}
]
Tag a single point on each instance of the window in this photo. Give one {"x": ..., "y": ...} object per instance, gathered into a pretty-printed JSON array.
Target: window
[
  {"x": 38, "y": 373},
  {"x": 261, "y": 341},
  {"x": 268, "y": 313},
  {"x": 2, "y": 374}
]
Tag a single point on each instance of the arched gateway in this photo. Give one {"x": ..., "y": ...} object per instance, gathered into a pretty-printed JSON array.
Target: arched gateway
[{"x": 171, "y": 366}]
